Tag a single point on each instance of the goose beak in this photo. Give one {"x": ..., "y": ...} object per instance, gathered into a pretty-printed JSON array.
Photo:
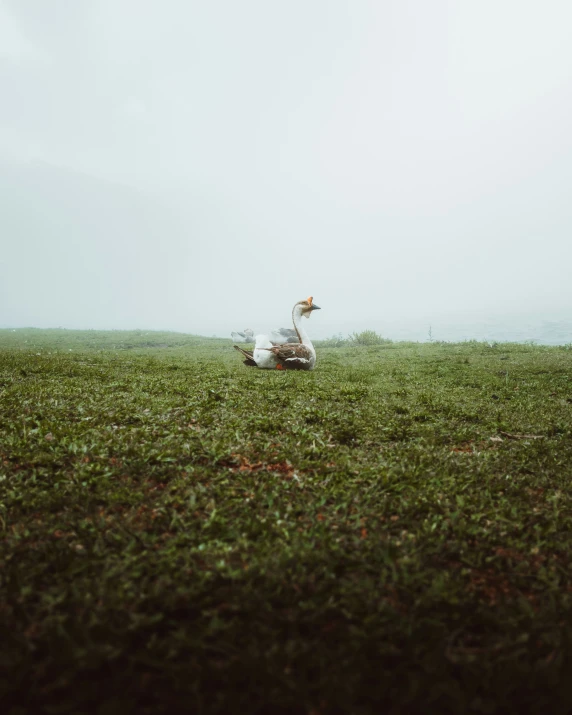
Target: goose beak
[{"x": 315, "y": 307}]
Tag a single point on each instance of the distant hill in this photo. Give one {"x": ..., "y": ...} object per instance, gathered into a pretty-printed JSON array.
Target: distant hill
[
  {"x": 69, "y": 340},
  {"x": 41, "y": 204},
  {"x": 80, "y": 251}
]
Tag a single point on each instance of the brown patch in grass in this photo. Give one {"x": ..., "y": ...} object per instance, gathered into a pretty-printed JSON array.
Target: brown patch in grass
[
  {"x": 245, "y": 465},
  {"x": 491, "y": 586},
  {"x": 473, "y": 447}
]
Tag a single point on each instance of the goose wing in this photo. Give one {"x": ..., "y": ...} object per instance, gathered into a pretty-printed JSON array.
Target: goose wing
[
  {"x": 248, "y": 354},
  {"x": 292, "y": 355}
]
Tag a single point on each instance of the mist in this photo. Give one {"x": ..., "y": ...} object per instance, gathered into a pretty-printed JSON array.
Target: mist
[{"x": 202, "y": 166}]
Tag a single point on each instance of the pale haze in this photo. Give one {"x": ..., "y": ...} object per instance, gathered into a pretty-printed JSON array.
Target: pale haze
[{"x": 201, "y": 166}]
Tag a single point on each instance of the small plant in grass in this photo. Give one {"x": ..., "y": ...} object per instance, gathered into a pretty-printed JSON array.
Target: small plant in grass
[
  {"x": 368, "y": 337},
  {"x": 336, "y": 341}
]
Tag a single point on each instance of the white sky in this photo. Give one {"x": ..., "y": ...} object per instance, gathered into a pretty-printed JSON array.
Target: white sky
[{"x": 201, "y": 166}]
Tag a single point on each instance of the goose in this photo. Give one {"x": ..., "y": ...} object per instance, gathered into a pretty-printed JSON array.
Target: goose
[
  {"x": 247, "y": 336},
  {"x": 285, "y": 356}
]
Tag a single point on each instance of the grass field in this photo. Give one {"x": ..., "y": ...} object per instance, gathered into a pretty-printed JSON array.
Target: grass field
[{"x": 389, "y": 533}]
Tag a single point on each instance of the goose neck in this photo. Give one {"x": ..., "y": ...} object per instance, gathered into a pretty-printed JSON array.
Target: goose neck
[{"x": 303, "y": 337}]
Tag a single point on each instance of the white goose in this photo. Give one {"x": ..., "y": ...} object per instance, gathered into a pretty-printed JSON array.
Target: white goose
[
  {"x": 285, "y": 356},
  {"x": 247, "y": 336}
]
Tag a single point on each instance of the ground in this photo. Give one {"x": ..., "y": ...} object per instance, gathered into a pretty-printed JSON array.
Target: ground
[{"x": 389, "y": 533}]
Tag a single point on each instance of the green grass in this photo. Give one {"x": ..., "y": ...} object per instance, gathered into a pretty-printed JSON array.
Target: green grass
[{"x": 378, "y": 535}]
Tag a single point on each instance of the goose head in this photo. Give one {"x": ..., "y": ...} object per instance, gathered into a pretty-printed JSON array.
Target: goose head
[{"x": 306, "y": 307}]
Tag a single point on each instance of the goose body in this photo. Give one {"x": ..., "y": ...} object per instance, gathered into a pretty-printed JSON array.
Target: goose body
[{"x": 269, "y": 355}]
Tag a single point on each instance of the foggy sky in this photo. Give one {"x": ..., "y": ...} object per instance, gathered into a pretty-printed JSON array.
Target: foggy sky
[{"x": 201, "y": 166}]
